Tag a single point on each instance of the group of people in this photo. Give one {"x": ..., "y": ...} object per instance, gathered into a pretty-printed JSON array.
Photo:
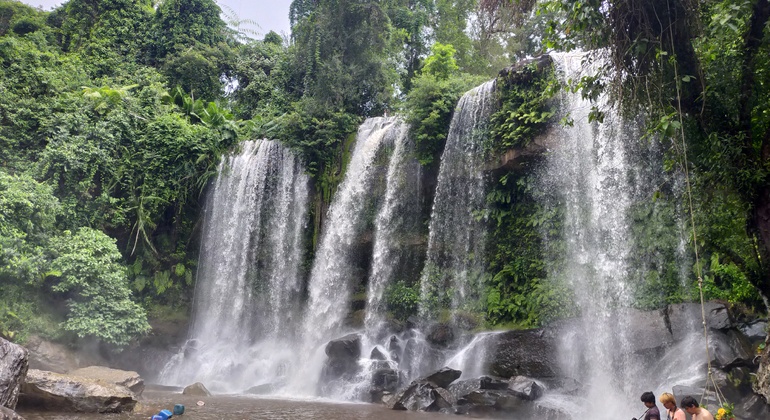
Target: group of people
[{"x": 689, "y": 405}]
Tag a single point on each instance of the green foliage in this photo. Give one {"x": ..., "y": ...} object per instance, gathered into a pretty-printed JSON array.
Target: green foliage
[
  {"x": 341, "y": 49},
  {"x": 429, "y": 108},
  {"x": 180, "y": 24},
  {"x": 524, "y": 95},
  {"x": 100, "y": 300},
  {"x": 441, "y": 63},
  {"x": 28, "y": 212},
  {"x": 402, "y": 300},
  {"x": 519, "y": 290}
]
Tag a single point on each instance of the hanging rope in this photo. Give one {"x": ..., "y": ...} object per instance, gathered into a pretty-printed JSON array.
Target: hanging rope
[{"x": 698, "y": 270}]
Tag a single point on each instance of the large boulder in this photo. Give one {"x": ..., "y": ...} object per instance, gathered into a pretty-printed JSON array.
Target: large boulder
[
  {"x": 730, "y": 349},
  {"x": 443, "y": 377},
  {"x": 60, "y": 392},
  {"x": 8, "y": 414},
  {"x": 525, "y": 388},
  {"x": 524, "y": 352},
  {"x": 13, "y": 369},
  {"x": 423, "y": 396},
  {"x": 197, "y": 390},
  {"x": 685, "y": 318},
  {"x": 343, "y": 354},
  {"x": 126, "y": 378}
]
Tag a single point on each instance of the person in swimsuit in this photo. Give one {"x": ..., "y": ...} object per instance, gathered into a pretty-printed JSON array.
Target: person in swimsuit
[
  {"x": 672, "y": 411},
  {"x": 690, "y": 405}
]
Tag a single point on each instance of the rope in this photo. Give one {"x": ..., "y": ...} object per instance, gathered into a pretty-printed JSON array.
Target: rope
[{"x": 685, "y": 164}]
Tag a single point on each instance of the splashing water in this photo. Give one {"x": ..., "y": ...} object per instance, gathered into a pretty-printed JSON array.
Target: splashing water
[
  {"x": 248, "y": 286},
  {"x": 455, "y": 263}
]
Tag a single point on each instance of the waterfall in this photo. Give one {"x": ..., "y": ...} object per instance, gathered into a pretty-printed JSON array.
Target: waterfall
[
  {"x": 335, "y": 273},
  {"x": 596, "y": 173},
  {"x": 247, "y": 295},
  {"x": 396, "y": 220},
  {"x": 454, "y": 268}
]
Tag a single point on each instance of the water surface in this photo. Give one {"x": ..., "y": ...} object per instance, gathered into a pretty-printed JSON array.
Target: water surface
[{"x": 242, "y": 407}]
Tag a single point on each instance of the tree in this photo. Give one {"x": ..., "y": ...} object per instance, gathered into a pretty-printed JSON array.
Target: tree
[
  {"x": 99, "y": 297},
  {"x": 180, "y": 24},
  {"x": 441, "y": 63},
  {"x": 660, "y": 66},
  {"x": 342, "y": 48}
]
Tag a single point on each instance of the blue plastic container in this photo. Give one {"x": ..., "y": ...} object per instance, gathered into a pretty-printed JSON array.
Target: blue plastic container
[
  {"x": 178, "y": 409},
  {"x": 156, "y": 417},
  {"x": 165, "y": 414}
]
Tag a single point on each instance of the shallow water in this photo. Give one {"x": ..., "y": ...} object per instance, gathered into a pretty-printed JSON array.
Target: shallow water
[{"x": 241, "y": 408}]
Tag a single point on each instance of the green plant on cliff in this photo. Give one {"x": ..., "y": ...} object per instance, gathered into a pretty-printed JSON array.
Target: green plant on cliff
[
  {"x": 524, "y": 93},
  {"x": 519, "y": 290}
]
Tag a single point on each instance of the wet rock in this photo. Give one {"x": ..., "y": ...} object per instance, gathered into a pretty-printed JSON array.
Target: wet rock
[
  {"x": 196, "y": 390},
  {"x": 386, "y": 379},
  {"x": 443, "y": 377},
  {"x": 755, "y": 331},
  {"x": 13, "y": 368},
  {"x": 128, "y": 379},
  {"x": 8, "y": 414},
  {"x": 685, "y": 318},
  {"x": 524, "y": 352},
  {"x": 752, "y": 407},
  {"x": 697, "y": 393},
  {"x": 762, "y": 384},
  {"x": 525, "y": 388},
  {"x": 441, "y": 334},
  {"x": 377, "y": 354},
  {"x": 343, "y": 354},
  {"x": 485, "y": 382},
  {"x": 60, "y": 392},
  {"x": 423, "y": 396},
  {"x": 461, "y": 388},
  {"x": 730, "y": 349}
]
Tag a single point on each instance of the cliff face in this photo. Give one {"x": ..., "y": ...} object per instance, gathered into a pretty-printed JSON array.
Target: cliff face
[{"x": 762, "y": 386}]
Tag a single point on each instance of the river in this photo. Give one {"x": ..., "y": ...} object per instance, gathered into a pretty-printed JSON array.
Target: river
[{"x": 241, "y": 408}]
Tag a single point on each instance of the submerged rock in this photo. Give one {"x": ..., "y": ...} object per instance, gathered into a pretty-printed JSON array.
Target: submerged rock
[
  {"x": 197, "y": 390},
  {"x": 60, "y": 392},
  {"x": 13, "y": 368}
]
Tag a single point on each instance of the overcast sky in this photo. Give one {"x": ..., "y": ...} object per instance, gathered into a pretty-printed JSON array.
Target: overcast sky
[{"x": 270, "y": 15}]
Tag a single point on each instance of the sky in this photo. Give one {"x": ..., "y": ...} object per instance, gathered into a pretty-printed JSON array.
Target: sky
[{"x": 270, "y": 15}]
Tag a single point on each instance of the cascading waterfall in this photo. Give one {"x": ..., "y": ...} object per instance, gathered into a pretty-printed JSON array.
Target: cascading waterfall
[
  {"x": 456, "y": 241},
  {"x": 396, "y": 219},
  {"x": 334, "y": 272},
  {"x": 596, "y": 179},
  {"x": 249, "y": 283}
]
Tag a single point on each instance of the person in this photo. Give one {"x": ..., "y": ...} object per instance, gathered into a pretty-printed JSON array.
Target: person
[
  {"x": 691, "y": 406},
  {"x": 673, "y": 412},
  {"x": 652, "y": 413}
]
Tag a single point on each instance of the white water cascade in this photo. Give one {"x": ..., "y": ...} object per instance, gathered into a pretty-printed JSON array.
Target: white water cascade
[
  {"x": 247, "y": 296},
  {"x": 591, "y": 173},
  {"x": 455, "y": 265},
  {"x": 334, "y": 272},
  {"x": 396, "y": 220}
]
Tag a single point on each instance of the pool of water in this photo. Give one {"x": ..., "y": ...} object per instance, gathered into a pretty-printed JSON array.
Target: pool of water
[{"x": 241, "y": 408}]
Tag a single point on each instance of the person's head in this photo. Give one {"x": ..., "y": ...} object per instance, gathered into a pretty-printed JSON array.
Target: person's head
[
  {"x": 648, "y": 398},
  {"x": 668, "y": 401},
  {"x": 690, "y": 405}
]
